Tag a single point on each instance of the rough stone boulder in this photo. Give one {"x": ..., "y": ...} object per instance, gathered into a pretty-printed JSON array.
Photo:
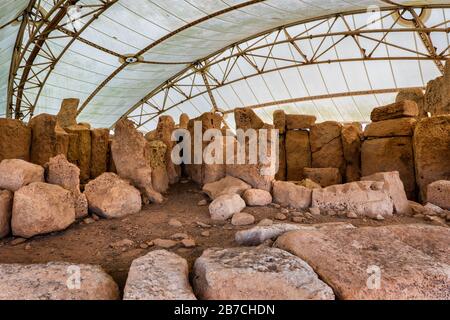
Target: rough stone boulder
[
  {"x": 256, "y": 274},
  {"x": 390, "y": 154},
  {"x": 299, "y": 121},
  {"x": 373, "y": 263},
  {"x": 41, "y": 208},
  {"x": 47, "y": 139},
  {"x": 289, "y": 194},
  {"x": 157, "y": 154},
  {"x": 391, "y": 128},
  {"x": 415, "y": 95},
  {"x": 394, "y": 187},
  {"x": 227, "y": 185},
  {"x": 15, "y": 140},
  {"x": 112, "y": 197},
  {"x": 15, "y": 174},
  {"x": 365, "y": 198},
  {"x": 437, "y": 95},
  {"x": 164, "y": 130},
  {"x": 432, "y": 151},
  {"x": 298, "y": 154},
  {"x": 225, "y": 206},
  {"x": 256, "y": 197},
  {"x": 351, "y": 135},
  {"x": 67, "y": 175},
  {"x": 259, "y": 234},
  {"x": 80, "y": 149},
  {"x": 159, "y": 275},
  {"x": 242, "y": 219},
  {"x": 324, "y": 176},
  {"x": 438, "y": 193},
  {"x": 405, "y": 108},
  {"x": 6, "y": 200},
  {"x": 56, "y": 281},
  {"x": 99, "y": 152},
  {"x": 246, "y": 119},
  {"x": 132, "y": 160},
  {"x": 326, "y": 146},
  {"x": 67, "y": 115}
]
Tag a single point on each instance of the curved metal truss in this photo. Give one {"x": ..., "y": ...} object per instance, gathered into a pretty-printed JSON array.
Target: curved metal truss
[
  {"x": 261, "y": 57},
  {"x": 33, "y": 58}
]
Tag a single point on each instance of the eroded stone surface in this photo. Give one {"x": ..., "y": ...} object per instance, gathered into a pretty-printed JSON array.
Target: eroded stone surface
[
  {"x": 256, "y": 197},
  {"x": 405, "y": 108},
  {"x": 80, "y": 149},
  {"x": 291, "y": 195},
  {"x": 67, "y": 115},
  {"x": 299, "y": 121},
  {"x": 298, "y": 154},
  {"x": 351, "y": 143},
  {"x": 15, "y": 140},
  {"x": 159, "y": 275},
  {"x": 246, "y": 119},
  {"x": 256, "y": 274},
  {"x": 391, "y": 128},
  {"x": 225, "y": 206},
  {"x": 227, "y": 185},
  {"x": 438, "y": 193},
  {"x": 324, "y": 176},
  {"x": 99, "y": 152},
  {"x": 15, "y": 174},
  {"x": 6, "y": 198}
]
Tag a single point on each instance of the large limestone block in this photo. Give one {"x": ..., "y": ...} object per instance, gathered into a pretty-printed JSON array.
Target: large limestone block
[
  {"x": 225, "y": 206},
  {"x": 164, "y": 130},
  {"x": 394, "y": 187},
  {"x": 48, "y": 139},
  {"x": 299, "y": 121},
  {"x": 298, "y": 154},
  {"x": 256, "y": 274},
  {"x": 246, "y": 119},
  {"x": 324, "y": 176},
  {"x": 432, "y": 151},
  {"x": 184, "y": 121},
  {"x": 67, "y": 175},
  {"x": 41, "y": 208},
  {"x": 56, "y": 281},
  {"x": 6, "y": 198},
  {"x": 282, "y": 160},
  {"x": 15, "y": 140},
  {"x": 291, "y": 195},
  {"x": 15, "y": 174},
  {"x": 99, "y": 152},
  {"x": 391, "y": 128},
  {"x": 132, "y": 160},
  {"x": 227, "y": 185},
  {"x": 390, "y": 154},
  {"x": 157, "y": 153},
  {"x": 415, "y": 95},
  {"x": 326, "y": 146},
  {"x": 351, "y": 136},
  {"x": 438, "y": 193},
  {"x": 80, "y": 150},
  {"x": 405, "y": 108},
  {"x": 279, "y": 121},
  {"x": 159, "y": 275},
  {"x": 112, "y": 197},
  {"x": 67, "y": 115},
  {"x": 371, "y": 263},
  {"x": 437, "y": 95},
  {"x": 364, "y": 198},
  {"x": 256, "y": 197}
]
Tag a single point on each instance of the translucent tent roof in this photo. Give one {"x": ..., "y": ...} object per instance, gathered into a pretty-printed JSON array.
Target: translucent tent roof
[{"x": 118, "y": 63}]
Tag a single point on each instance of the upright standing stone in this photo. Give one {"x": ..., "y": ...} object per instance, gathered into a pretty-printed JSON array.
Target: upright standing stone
[
  {"x": 432, "y": 151},
  {"x": 132, "y": 159},
  {"x": 67, "y": 115},
  {"x": 282, "y": 160},
  {"x": 80, "y": 150},
  {"x": 99, "y": 152},
  {"x": 48, "y": 140},
  {"x": 160, "y": 178},
  {"x": 298, "y": 154},
  {"x": 184, "y": 121},
  {"x": 351, "y": 136},
  {"x": 6, "y": 200},
  {"x": 279, "y": 121},
  {"x": 166, "y": 126},
  {"x": 15, "y": 140}
]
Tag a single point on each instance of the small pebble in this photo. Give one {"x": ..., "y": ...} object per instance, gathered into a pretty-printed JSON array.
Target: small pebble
[
  {"x": 352, "y": 215},
  {"x": 314, "y": 211},
  {"x": 265, "y": 223},
  {"x": 179, "y": 236},
  {"x": 175, "y": 223},
  {"x": 164, "y": 243},
  {"x": 284, "y": 211},
  {"x": 380, "y": 217},
  {"x": 280, "y": 216},
  {"x": 298, "y": 219},
  {"x": 188, "y": 243},
  {"x": 205, "y": 233},
  {"x": 202, "y": 203},
  {"x": 17, "y": 241}
]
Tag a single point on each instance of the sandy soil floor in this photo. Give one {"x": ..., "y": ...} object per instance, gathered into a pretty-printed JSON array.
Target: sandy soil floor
[{"x": 91, "y": 243}]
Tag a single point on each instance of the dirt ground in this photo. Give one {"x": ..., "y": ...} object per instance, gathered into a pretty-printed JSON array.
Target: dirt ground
[{"x": 91, "y": 243}]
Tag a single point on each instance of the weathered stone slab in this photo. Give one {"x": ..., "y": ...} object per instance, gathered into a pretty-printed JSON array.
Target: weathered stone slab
[
  {"x": 132, "y": 161},
  {"x": 438, "y": 193},
  {"x": 15, "y": 140},
  {"x": 405, "y": 108},
  {"x": 324, "y": 176},
  {"x": 56, "y": 281},
  {"x": 227, "y": 185},
  {"x": 99, "y": 152},
  {"x": 298, "y": 154},
  {"x": 41, "y": 208},
  {"x": 67, "y": 115},
  {"x": 291, "y": 195},
  {"x": 279, "y": 121},
  {"x": 6, "y": 200},
  {"x": 246, "y": 119},
  {"x": 112, "y": 197},
  {"x": 159, "y": 275},
  {"x": 157, "y": 153},
  {"x": 15, "y": 174},
  {"x": 415, "y": 95},
  {"x": 364, "y": 198},
  {"x": 80, "y": 150},
  {"x": 391, "y": 128},
  {"x": 370, "y": 263},
  {"x": 432, "y": 151},
  {"x": 164, "y": 130},
  {"x": 299, "y": 121},
  {"x": 351, "y": 136},
  {"x": 256, "y": 274},
  {"x": 184, "y": 121},
  {"x": 390, "y": 154},
  {"x": 282, "y": 160}
]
